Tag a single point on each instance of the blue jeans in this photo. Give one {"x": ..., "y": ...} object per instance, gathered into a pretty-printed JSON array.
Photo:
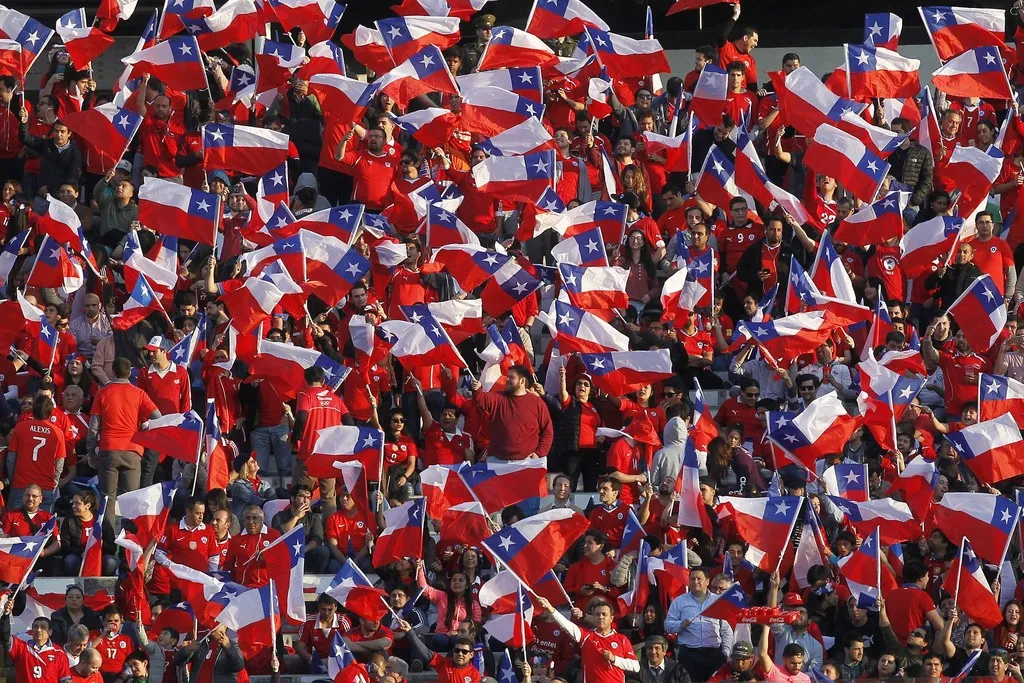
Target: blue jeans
[{"x": 267, "y": 441}]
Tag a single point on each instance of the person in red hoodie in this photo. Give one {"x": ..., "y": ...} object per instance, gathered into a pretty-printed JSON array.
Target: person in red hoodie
[
  {"x": 244, "y": 561},
  {"x": 169, "y": 386}
]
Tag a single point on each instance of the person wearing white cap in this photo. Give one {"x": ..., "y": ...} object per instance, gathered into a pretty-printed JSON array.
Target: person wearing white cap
[
  {"x": 168, "y": 385},
  {"x": 115, "y": 196}
]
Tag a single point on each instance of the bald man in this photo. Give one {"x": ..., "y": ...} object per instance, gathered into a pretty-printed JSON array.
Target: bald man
[
  {"x": 88, "y": 668},
  {"x": 90, "y": 327}
]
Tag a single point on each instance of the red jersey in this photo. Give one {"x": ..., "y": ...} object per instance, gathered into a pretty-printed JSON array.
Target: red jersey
[
  {"x": 552, "y": 640},
  {"x": 241, "y": 562},
  {"x": 671, "y": 222},
  {"x": 697, "y": 343},
  {"x": 190, "y": 547},
  {"x": 399, "y": 451},
  {"x": 407, "y": 289},
  {"x": 586, "y": 573},
  {"x": 323, "y": 409},
  {"x": 993, "y": 258},
  {"x": 170, "y": 389},
  {"x": 729, "y": 53},
  {"x": 884, "y": 264},
  {"x": 122, "y": 409},
  {"x": 741, "y": 106},
  {"x": 967, "y": 135},
  {"x": 20, "y": 523},
  {"x": 160, "y": 145},
  {"x": 113, "y": 652},
  {"x": 732, "y": 411},
  {"x": 960, "y": 378},
  {"x": 733, "y": 241},
  {"x": 373, "y": 175},
  {"x": 356, "y": 635},
  {"x": 39, "y": 445},
  {"x": 46, "y": 664},
  {"x": 625, "y": 459},
  {"x": 909, "y": 604},
  {"x": 596, "y": 669},
  {"x": 447, "y": 672},
  {"x": 318, "y": 639},
  {"x": 348, "y": 530},
  {"x": 442, "y": 448},
  {"x": 611, "y": 520}
]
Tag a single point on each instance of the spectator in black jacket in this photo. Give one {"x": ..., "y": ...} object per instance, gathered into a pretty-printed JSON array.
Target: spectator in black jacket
[
  {"x": 953, "y": 279},
  {"x": 227, "y": 658},
  {"x": 60, "y": 160},
  {"x": 84, "y": 513},
  {"x": 762, "y": 262}
]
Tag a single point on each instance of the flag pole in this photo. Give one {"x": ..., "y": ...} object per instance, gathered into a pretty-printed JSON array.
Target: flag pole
[
  {"x": 522, "y": 622},
  {"x": 273, "y": 626},
  {"x": 789, "y": 535},
  {"x": 25, "y": 581},
  {"x": 959, "y": 573},
  {"x": 878, "y": 565}
]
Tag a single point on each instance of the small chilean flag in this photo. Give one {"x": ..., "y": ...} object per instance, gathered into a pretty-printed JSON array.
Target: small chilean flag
[
  {"x": 992, "y": 449},
  {"x": 251, "y": 303},
  {"x": 531, "y": 547},
  {"x": 875, "y": 223},
  {"x": 583, "y": 332},
  {"x": 980, "y": 313},
  {"x": 999, "y": 395},
  {"x": 432, "y": 126},
  {"x": 596, "y": 287},
  {"x": 175, "y": 209},
  {"x": 516, "y": 178},
  {"x": 557, "y": 18},
  {"x": 179, "y": 435},
  {"x": 92, "y": 555},
  {"x": 882, "y": 29},
  {"x": 147, "y": 508},
  {"x": 423, "y": 73},
  {"x": 627, "y": 57},
  {"x": 83, "y": 43},
  {"x": 511, "y": 48},
  {"x": 243, "y": 149},
  {"x": 403, "y": 533}
]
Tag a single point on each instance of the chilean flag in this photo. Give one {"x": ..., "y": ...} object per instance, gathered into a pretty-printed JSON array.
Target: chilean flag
[
  {"x": 972, "y": 171},
  {"x": 337, "y": 222},
  {"x": 693, "y": 513},
  {"x": 878, "y": 72},
  {"x": 179, "y": 435},
  {"x": 609, "y": 217},
  {"x": 875, "y": 223},
  {"x": 727, "y": 606},
  {"x": 61, "y": 223},
  {"x": 92, "y": 554},
  {"x": 175, "y": 209},
  {"x": 986, "y": 518},
  {"x": 863, "y": 572},
  {"x": 235, "y": 22},
  {"x": 405, "y": 36},
  {"x": 516, "y": 178},
  {"x": 254, "y": 617},
  {"x": 207, "y": 595},
  {"x": 324, "y": 57},
  {"x": 511, "y": 48},
  {"x": 523, "y": 81},
  {"x": 669, "y": 571},
  {"x": 498, "y": 486},
  {"x": 17, "y": 555},
  {"x": 955, "y": 30},
  {"x": 432, "y": 126},
  {"x": 622, "y": 372},
  {"x": 402, "y": 536},
  {"x": 275, "y": 63},
  {"x": 966, "y": 582},
  {"x": 461, "y": 318},
  {"x": 243, "y": 149},
  {"x": 284, "y": 364},
  {"x": 444, "y": 487},
  {"x": 703, "y": 428},
  {"x": 595, "y": 288},
  {"x": 847, "y": 480},
  {"x": 584, "y": 249},
  {"x": 980, "y": 313},
  {"x": 751, "y": 178},
  {"x": 523, "y": 138},
  {"x": 928, "y": 241},
  {"x": 822, "y": 428},
  {"x": 999, "y": 395},
  {"x": 54, "y": 268},
  {"x": 286, "y": 564},
  {"x": 491, "y": 111},
  {"x": 828, "y": 272},
  {"x": 318, "y": 19},
  {"x": 882, "y": 29},
  {"x": 881, "y": 141},
  {"x": 12, "y": 59},
  {"x": 688, "y": 288},
  {"x": 975, "y": 73},
  {"x": 917, "y": 483},
  {"x": 717, "y": 180},
  {"x": 176, "y": 62},
  {"x": 83, "y": 43},
  {"x": 583, "y": 332},
  {"x": 444, "y": 228},
  {"x": 466, "y": 523},
  {"x": 345, "y": 443},
  {"x": 676, "y": 150},
  {"x": 469, "y": 264},
  {"x": 627, "y": 57},
  {"x": 147, "y": 508},
  {"x": 513, "y": 629},
  {"x": 766, "y": 524},
  {"x": 510, "y": 284},
  {"x": 250, "y": 304},
  {"x": 792, "y": 335},
  {"x": 31, "y": 35},
  {"x": 557, "y": 18},
  {"x": 992, "y": 449},
  {"x": 532, "y": 546},
  {"x": 809, "y": 104},
  {"x": 9, "y": 256},
  {"x": 342, "y": 666},
  {"x": 892, "y": 518},
  {"x": 423, "y": 73},
  {"x": 426, "y": 343},
  {"x": 848, "y": 160},
  {"x": 346, "y": 98},
  {"x": 367, "y": 46},
  {"x": 355, "y": 593},
  {"x": 710, "y": 93}
]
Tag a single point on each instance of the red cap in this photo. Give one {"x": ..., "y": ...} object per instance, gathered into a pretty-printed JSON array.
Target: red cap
[{"x": 792, "y": 600}]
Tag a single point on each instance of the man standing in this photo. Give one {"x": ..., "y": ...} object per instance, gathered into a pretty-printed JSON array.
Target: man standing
[
  {"x": 796, "y": 632},
  {"x": 912, "y": 165},
  {"x": 519, "y": 420},
  {"x": 993, "y": 257},
  {"x": 317, "y": 407},
  {"x": 41, "y": 446},
  {"x": 89, "y": 328},
  {"x": 169, "y": 386},
  {"x": 704, "y": 642},
  {"x": 244, "y": 561},
  {"x": 117, "y": 414}
]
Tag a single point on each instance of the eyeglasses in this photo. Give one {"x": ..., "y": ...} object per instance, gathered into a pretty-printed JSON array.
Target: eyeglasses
[
  {"x": 462, "y": 651},
  {"x": 398, "y": 420},
  {"x": 645, "y": 96},
  {"x": 807, "y": 387},
  {"x": 669, "y": 394},
  {"x": 751, "y": 395}
]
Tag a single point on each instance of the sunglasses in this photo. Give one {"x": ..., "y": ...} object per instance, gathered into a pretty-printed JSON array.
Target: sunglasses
[
  {"x": 398, "y": 420},
  {"x": 750, "y": 395},
  {"x": 462, "y": 651},
  {"x": 807, "y": 387},
  {"x": 669, "y": 394}
]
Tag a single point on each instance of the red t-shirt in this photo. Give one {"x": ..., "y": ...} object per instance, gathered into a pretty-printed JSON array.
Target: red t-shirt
[
  {"x": 728, "y": 53},
  {"x": 171, "y": 390},
  {"x": 596, "y": 669},
  {"x": 46, "y": 665},
  {"x": 612, "y": 521},
  {"x": 993, "y": 258},
  {"x": 733, "y": 241},
  {"x": 39, "y": 446},
  {"x": 348, "y": 531},
  {"x": 17, "y": 523},
  {"x": 113, "y": 652},
  {"x": 160, "y": 145},
  {"x": 356, "y": 635},
  {"x": 908, "y": 606},
  {"x": 442, "y": 448},
  {"x": 399, "y": 451},
  {"x": 122, "y": 409},
  {"x": 585, "y": 573},
  {"x": 884, "y": 264},
  {"x": 960, "y": 378},
  {"x": 317, "y": 639},
  {"x": 624, "y": 458},
  {"x": 323, "y": 409},
  {"x": 373, "y": 175},
  {"x": 590, "y": 420},
  {"x": 732, "y": 411},
  {"x": 447, "y": 672}
]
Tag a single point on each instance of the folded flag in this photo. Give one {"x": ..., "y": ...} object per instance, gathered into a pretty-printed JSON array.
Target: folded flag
[
  {"x": 917, "y": 483},
  {"x": 346, "y": 443},
  {"x": 284, "y": 364},
  {"x": 882, "y": 29},
  {"x": 367, "y": 46},
  {"x": 17, "y": 555},
  {"x": 254, "y": 617},
  {"x": 275, "y": 63},
  {"x": 828, "y": 273},
  {"x": 510, "y": 284},
  {"x": 881, "y": 141},
  {"x": 235, "y": 22},
  {"x": 432, "y": 126},
  {"x": 972, "y": 170},
  {"x": 318, "y": 19},
  {"x": 147, "y": 508},
  {"x": 346, "y": 98},
  {"x": 402, "y": 536},
  {"x": 497, "y": 486},
  {"x": 971, "y": 591},
  {"x": 980, "y": 313},
  {"x": 526, "y": 137},
  {"x": 688, "y": 288},
  {"x": 709, "y": 94}
]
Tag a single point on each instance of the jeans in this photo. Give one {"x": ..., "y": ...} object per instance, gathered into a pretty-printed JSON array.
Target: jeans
[
  {"x": 120, "y": 472},
  {"x": 147, "y": 469},
  {"x": 267, "y": 441},
  {"x": 318, "y": 559},
  {"x": 71, "y": 565}
]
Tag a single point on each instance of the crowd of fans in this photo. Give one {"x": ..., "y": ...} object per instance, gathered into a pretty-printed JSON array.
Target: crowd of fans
[{"x": 68, "y": 427}]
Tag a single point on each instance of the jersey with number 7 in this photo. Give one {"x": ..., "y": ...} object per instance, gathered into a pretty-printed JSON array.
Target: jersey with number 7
[{"x": 38, "y": 445}]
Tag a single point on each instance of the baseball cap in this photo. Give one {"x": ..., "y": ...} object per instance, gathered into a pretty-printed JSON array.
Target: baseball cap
[
  {"x": 124, "y": 165},
  {"x": 742, "y": 650},
  {"x": 792, "y": 600},
  {"x": 159, "y": 344}
]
